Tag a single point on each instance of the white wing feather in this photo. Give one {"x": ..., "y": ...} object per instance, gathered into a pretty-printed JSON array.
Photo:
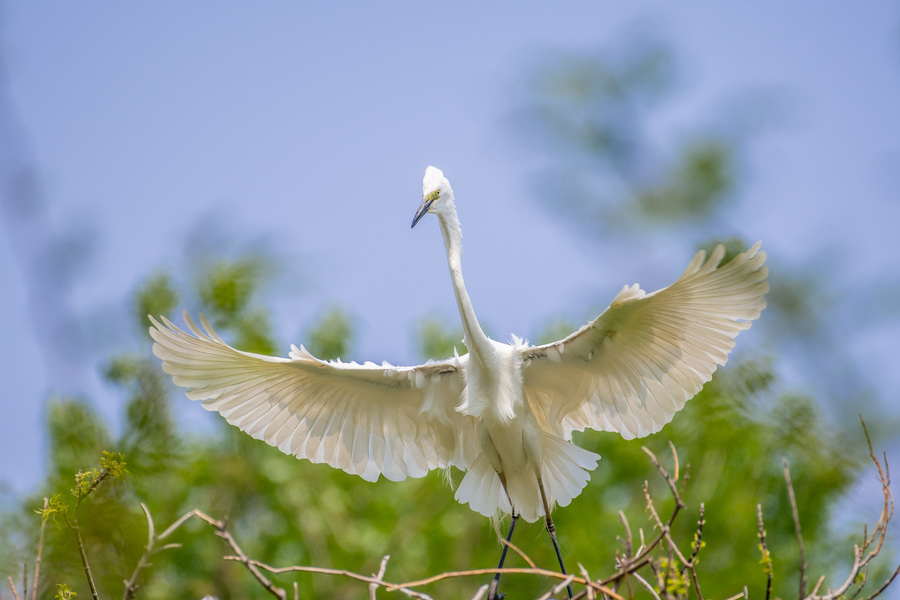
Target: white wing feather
[
  {"x": 364, "y": 419},
  {"x": 635, "y": 366}
]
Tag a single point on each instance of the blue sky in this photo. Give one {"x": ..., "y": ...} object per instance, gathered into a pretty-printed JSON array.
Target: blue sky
[{"x": 306, "y": 127}]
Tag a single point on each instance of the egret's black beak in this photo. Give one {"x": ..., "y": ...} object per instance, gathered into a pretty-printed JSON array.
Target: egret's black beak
[{"x": 423, "y": 210}]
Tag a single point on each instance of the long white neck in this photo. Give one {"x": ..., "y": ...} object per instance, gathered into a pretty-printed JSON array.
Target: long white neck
[{"x": 476, "y": 341}]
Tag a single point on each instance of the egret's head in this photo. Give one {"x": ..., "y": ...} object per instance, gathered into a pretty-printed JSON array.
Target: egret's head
[{"x": 435, "y": 193}]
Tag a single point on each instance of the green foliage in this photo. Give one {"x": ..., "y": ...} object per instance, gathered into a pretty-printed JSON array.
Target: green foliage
[
  {"x": 695, "y": 187},
  {"x": 437, "y": 341},
  {"x": 63, "y": 592},
  {"x": 331, "y": 337},
  {"x": 604, "y": 171},
  {"x": 112, "y": 464},
  {"x": 671, "y": 579},
  {"x": 157, "y": 296}
]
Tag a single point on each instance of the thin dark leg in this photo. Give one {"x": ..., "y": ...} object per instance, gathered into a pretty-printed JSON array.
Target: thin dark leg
[
  {"x": 551, "y": 529},
  {"x": 492, "y": 593}
]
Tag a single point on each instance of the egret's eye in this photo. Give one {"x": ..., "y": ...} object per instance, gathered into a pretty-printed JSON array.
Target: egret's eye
[{"x": 433, "y": 195}]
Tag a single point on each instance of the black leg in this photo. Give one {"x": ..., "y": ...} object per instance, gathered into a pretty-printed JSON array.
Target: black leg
[
  {"x": 492, "y": 593},
  {"x": 551, "y": 529}
]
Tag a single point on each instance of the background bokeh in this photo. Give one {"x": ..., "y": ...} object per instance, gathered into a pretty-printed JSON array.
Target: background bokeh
[{"x": 281, "y": 148}]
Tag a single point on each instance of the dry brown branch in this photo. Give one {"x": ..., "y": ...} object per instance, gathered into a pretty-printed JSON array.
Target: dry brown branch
[
  {"x": 628, "y": 565},
  {"x": 514, "y": 548},
  {"x": 588, "y": 590},
  {"x": 373, "y": 587},
  {"x": 795, "y": 512},
  {"x": 558, "y": 587},
  {"x": 646, "y": 585},
  {"x": 669, "y": 479},
  {"x": 40, "y": 553},
  {"x": 12, "y": 586},
  {"x": 408, "y": 585},
  {"x": 629, "y": 541}
]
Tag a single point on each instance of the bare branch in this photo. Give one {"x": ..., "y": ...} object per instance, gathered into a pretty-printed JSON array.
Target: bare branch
[
  {"x": 675, "y": 459},
  {"x": 665, "y": 474},
  {"x": 796, "y": 514},
  {"x": 223, "y": 533},
  {"x": 646, "y": 585},
  {"x": 887, "y": 582},
  {"x": 588, "y": 590},
  {"x": 12, "y": 586},
  {"x": 815, "y": 589},
  {"x": 40, "y": 553},
  {"x": 373, "y": 587},
  {"x": 482, "y": 592},
  {"x": 629, "y": 543},
  {"x": 84, "y": 560},
  {"x": 557, "y": 588}
]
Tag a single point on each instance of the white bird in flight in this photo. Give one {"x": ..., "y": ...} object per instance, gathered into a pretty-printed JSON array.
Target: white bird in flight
[{"x": 504, "y": 413}]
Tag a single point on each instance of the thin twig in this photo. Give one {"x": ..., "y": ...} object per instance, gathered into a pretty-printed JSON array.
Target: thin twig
[
  {"x": 796, "y": 514},
  {"x": 482, "y": 592},
  {"x": 12, "y": 586},
  {"x": 40, "y": 552},
  {"x": 665, "y": 528},
  {"x": 131, "y": 583},
  {"x": 81, "y": 550},
  {"x": 674, "y": 458},
  {"x": 518, "y": 551},
  {"x": 629, "y": 542},
  {"x": 665, "y": 474},
  {"x": 558, "y": 587},
  {"x": 646, "y": 585},
  {"x": 588, "y": 590},
  {"x": 223, "y": 533},
  {"x": 698, "y": 540},
  {"x": 887, "y": 582},
  {"x": 373, "y": 587},
  {"x": 767, "y": 558},
  {"x": 815, "y": 589}
]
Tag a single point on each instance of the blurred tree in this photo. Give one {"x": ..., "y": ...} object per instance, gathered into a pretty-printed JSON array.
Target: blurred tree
[{"x": 617, "y": 164}]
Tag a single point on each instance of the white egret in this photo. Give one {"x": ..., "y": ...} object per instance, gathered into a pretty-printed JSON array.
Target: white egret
[{"x": 504, "y": 413}]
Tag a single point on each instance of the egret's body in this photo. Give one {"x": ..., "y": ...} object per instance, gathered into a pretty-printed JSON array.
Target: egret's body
[{"x": 504, "y": 413}]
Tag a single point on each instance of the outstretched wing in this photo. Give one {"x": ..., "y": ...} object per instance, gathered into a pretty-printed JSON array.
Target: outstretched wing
[
  {"x": 364, "y": 419},
  {"x": 634, "y": 367}
]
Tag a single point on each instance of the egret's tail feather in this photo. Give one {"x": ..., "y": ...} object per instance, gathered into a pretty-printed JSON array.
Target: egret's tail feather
[
  {"x": 565, "y": 472},
  {"x": 566, "y": 468},
  {"x": 481, "y": 489}
]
